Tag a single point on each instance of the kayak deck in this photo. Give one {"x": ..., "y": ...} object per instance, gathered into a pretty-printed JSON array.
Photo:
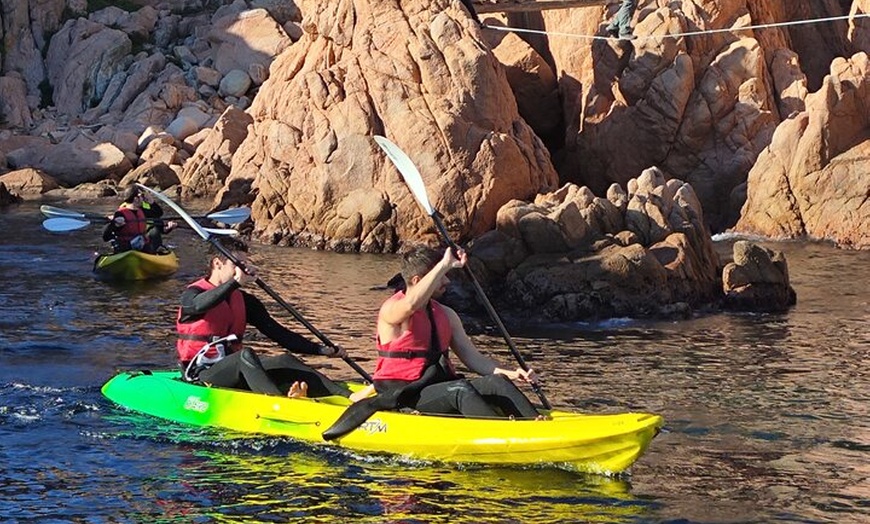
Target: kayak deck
[
  {"x": 587, "y": 443},
  {"x": 135, "y": 265}
]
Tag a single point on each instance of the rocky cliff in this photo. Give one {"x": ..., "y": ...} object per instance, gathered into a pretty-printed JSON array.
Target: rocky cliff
[{"x": 757, "y": 107}]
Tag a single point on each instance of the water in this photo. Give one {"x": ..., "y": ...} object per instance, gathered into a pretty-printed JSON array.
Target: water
[{"x": 767, "y": 415}]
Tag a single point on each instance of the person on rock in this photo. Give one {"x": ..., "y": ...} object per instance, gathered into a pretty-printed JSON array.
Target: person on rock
[
  {"x": 413, "y": 356},
  {"x": 138, "y": 224},
  {"x": 620, "y": 25},
  {"x": 214, "y": 307}
]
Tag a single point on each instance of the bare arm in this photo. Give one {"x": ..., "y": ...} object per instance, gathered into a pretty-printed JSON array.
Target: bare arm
[
  {"x": 474, "y": 359},
  {"x": 397, "y": 312},
  {"x": 465, "y": 349}
]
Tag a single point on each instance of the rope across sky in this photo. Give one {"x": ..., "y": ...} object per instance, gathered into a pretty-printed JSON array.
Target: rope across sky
[{"x": 687, "y": 33}]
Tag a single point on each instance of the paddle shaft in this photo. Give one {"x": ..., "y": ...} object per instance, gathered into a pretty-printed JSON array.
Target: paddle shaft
[
  {"x": 65, "y": 224},
  {"x": 283, "y": 303},
  {"x": 63, "y": 213},
  {"x": 490, "y": 309}
]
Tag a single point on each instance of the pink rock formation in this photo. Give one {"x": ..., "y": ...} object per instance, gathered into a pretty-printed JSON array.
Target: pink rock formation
[
  {"x": 570, "y": 254},
  {"x": 812, "y": 181},
  {"x": 757, "y": 280},
  {"x": 416, "y": 72}
]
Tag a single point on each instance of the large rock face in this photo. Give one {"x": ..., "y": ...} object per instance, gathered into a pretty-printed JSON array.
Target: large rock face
[
  {"x": 417, "y": 73},
  {"x": 812, "y": 180},
  {"x": 702, "y": 108}
]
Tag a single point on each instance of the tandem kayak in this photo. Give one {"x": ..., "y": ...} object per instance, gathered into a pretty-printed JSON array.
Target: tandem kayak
[
  {"x": 586, "y": 443},
  {"x": 135, "y": 265}
]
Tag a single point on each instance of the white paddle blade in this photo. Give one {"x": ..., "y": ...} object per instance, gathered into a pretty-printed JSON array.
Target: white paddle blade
[
  {"x": 64, "y": 224},
  {"x": 57, "y": 212},
  {"x": 181, "y": 212},
  {"x": 233, "y": 215},
  {"x": 224, "y": 232},
  {"x": 408, "y": 171}
]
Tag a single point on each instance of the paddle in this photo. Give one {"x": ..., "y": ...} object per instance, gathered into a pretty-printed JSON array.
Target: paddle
[
  {"x": 418, "y": 189},
  {"x": 64, "y": 224},
  {"x": 233, "y": 215},
  {"x": 227, "y": 253}
]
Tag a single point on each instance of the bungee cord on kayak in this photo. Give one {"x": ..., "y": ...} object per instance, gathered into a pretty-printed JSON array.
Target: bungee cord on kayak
[{"x": 684, "y": 34}]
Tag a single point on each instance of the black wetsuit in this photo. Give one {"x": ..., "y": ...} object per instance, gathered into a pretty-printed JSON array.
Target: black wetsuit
[
  {"x": 474, "y": 397},
  {"x": 244, "y": 369}
]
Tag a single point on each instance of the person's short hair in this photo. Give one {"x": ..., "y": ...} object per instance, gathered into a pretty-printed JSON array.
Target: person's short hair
[
  {"x": 231, "y": 244},
  {"x": 131, "y": 193},
  {"x": 418, "y": 261}
]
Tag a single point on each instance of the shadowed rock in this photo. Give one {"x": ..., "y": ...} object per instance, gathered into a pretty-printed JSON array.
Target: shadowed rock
[
  {"x": 757, "y": 280},
  {"x": 571, "y": 255}
]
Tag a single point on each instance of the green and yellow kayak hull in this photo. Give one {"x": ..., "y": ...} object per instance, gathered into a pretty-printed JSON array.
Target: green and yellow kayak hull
[
  {"x": 135, "y": 265},
  {"x": 587, "y": 443}
]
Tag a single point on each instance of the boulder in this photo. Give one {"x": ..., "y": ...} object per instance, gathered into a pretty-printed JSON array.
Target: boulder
[
  {"x": 28, "y": 183},
  {"x": 757, "y": 280}
]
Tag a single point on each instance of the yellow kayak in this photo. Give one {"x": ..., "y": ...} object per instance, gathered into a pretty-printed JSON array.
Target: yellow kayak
[
  {"x": 135, "y": 265},
  {"x": 580, "y": 442}
]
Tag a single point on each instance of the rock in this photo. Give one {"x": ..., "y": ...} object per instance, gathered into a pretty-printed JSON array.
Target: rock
[
  {"x": 14, "y": 111},
  {"x": 151, "y": 174},
  {"x": 81, "y": 61},
  {"x": 71, "y": 164},
  {"x": 241, "y": 39},
  {"x": 533, "y": 82},
  {"x": 188, "y": 121},
  {"x": 28, "y": 183},
  {"x": 7, "y": 198},
  {"x": 282, "y": 11},
  {"x": 310, "y": 144},
  {"x": 235, "y": 83},
  {"x": 583, "y": 256},
  {"x": 161, "y": 150},
  {"x": 757, "y": 280},
  {"x": 209, "y": 166},
  {"x": 498, "y": 252},
  {"x": 812, "y": 181}
]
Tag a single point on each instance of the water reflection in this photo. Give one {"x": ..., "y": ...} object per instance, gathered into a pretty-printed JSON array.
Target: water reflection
[{"x": 328, "y": 486}]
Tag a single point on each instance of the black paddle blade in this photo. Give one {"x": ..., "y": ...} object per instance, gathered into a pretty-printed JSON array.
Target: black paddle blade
[{"x": 357, "y": 413}]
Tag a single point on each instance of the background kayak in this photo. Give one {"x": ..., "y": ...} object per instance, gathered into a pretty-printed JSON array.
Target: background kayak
[{"x": 135, "y": 265}]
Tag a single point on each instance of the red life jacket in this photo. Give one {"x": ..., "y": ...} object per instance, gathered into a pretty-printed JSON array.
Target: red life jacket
[
  {"x": 134, "y": 225},
  {"x": 227, "y": 317},
  {"x": 405, "y": 357}
]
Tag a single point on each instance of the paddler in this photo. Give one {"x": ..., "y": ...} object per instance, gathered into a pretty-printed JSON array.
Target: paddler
[
  {"x": 414, "y": 358},
  {"x": 138, "y": 224},
  {"x": 215, "y": 307}
]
